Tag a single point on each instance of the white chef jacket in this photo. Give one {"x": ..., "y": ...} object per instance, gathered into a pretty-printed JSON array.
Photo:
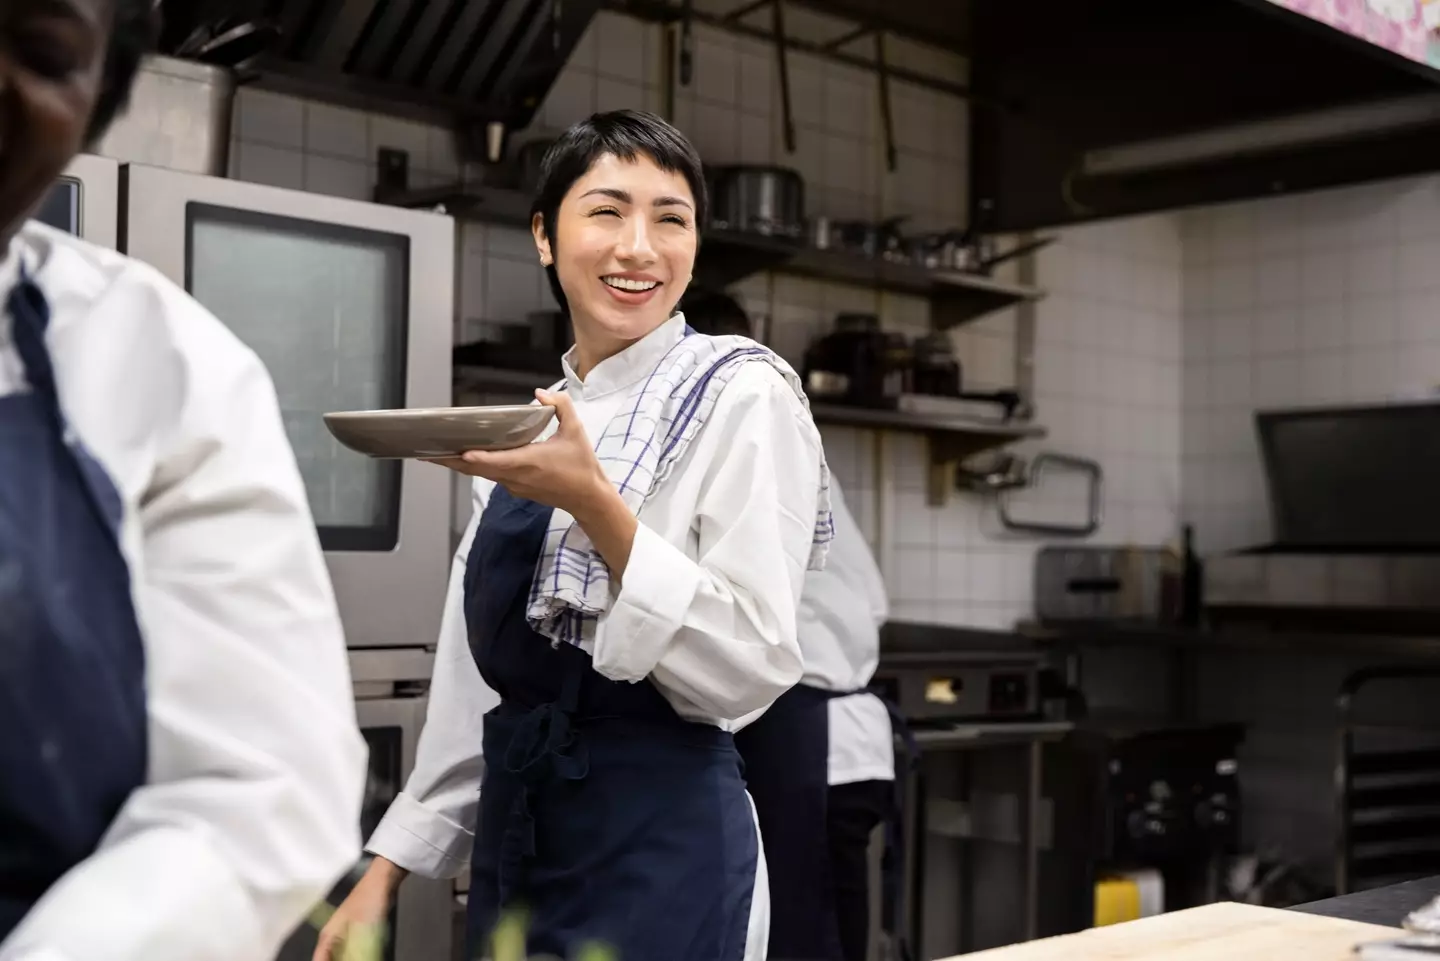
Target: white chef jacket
[
  {"x": 706, "y": 609},
  {"x": 841, "y": 611},
  {"x": 256, "y": 766}
]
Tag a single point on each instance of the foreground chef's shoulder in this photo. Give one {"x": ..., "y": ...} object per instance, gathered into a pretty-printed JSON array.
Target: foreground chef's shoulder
[{"x": 154, "y": 307}]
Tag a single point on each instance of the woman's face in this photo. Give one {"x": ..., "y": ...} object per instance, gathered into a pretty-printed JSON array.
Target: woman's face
[
  {"x": 624, "y": 249},
  {"x": 52, "y": 58}
]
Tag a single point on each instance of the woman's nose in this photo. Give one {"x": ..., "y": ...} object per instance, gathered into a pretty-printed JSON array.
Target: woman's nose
[{"x": 634, "y": 242}]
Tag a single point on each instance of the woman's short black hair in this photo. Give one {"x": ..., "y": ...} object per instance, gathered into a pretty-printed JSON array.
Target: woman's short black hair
[
  {"x": 714, "y": 312},
  {"x": 131, "y": 38},
  {"x": 626, "y": 134}
]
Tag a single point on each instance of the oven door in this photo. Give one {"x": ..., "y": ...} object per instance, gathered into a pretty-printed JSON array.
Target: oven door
[
  {"x": 349, "y": 305},
  {"x": 421, "y": 922},
  {"x": 86, "y": 201}
]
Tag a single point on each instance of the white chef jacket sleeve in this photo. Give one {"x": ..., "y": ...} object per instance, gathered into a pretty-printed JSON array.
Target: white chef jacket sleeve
[
  {"x": 718, "y": 629},
  {"x": 430, "y": 826},
  {"x": 256, "y": 766}
]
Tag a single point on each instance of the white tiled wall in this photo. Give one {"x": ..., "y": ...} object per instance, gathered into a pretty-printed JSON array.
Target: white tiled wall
[
  {"x": 1107, "y": 385},
  {"x": 1331, "y": 297},
  {"x": 1108, "y": 341}
]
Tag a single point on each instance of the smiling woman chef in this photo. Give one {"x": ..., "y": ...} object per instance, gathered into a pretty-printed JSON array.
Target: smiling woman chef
[
  {"x": 180, "y": 770},
  {"x": 633, "y": 603}
]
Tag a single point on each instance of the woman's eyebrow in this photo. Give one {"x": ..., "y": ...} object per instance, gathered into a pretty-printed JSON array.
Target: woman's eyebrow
[{"x": 624, "y": 197}]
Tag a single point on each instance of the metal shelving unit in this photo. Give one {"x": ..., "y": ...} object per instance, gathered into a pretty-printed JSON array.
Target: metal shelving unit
[{"x": 728, "y": 256}]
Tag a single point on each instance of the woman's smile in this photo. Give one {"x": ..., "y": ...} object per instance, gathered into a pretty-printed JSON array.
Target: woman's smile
[{"x": 631, "y": 288}]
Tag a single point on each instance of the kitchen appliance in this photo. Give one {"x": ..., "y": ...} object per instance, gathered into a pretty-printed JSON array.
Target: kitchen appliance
[
  {"x": 1112, "y": 584},
  {"x": 85, "y": 201},
  {"x": 758, "y": 199},
  {"x": 487, "y": 65},
  {"x": 874, "y": 365},
  {"x": 391, "y": 690},
  {"x": 937, "y": 371},
  {"x": 179, "y": 118},
  {"x": 228, "y": 33},
  {"x": 962, "y": 683},
  {"x": 1128, "y": 794},
  {"x": 349, "y": 305},
  {"x": 1356, "y": 537}
]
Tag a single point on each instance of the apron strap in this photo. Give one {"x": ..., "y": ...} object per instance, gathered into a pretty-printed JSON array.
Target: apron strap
[{"x": 30, "y": 315}]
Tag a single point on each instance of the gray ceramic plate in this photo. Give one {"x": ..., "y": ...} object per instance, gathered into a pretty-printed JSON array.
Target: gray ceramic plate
[{"x": 437, "y": 431}]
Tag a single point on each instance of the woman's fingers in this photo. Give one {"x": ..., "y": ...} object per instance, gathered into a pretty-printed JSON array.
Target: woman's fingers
[
  {"x": 568, "y": 421},
  {"x": 329, "y": 938}
]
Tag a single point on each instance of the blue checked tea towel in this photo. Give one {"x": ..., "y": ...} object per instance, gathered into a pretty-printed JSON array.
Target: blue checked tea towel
[{"x": 638, "y": 449}]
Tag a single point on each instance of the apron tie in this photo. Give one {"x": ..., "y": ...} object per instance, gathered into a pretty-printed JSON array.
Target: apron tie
[{"x": 544, "y": 746}]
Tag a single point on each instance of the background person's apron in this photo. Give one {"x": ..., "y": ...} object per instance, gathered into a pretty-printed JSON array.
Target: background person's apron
[
  {"x": 72, "y": 663},
  {"x": 787, "y": 769},
  {"x": 602, "y": 812}
]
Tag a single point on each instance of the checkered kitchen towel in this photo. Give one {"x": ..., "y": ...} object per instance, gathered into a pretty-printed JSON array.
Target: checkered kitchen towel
[{"x": 638, "y": 449}]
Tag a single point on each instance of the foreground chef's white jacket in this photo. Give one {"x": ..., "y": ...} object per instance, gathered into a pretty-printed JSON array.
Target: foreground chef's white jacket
[
  {"x": 841, "y": 611},
  {"x": 716, "y": 634},
  {"x": 256, "y": 767}
]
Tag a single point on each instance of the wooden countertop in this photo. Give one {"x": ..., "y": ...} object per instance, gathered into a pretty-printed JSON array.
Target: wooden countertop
[{"x": 1215, "y": 932}]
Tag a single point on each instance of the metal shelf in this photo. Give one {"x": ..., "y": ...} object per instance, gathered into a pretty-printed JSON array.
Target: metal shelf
[
  {"x": 949, "y": 440},
  {"x": 728, "y": 256},
  {"x": 985, "y": 433}
]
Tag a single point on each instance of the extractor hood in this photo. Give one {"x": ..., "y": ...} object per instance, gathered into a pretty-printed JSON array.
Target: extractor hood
[
  {"x": 1103, "y": 108},
  {"x": 476, "y": 62}
]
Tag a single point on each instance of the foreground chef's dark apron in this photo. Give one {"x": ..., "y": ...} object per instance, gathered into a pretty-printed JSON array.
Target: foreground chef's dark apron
[
  {"x": 602, "y": 812},
  {"x": 72, "y": 684},
  {"x": 787, "y": 768}
]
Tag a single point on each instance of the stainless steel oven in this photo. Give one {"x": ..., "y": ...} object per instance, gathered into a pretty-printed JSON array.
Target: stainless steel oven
[
  {"x": 86, "y": 201},
  {"x": 350, "y": 306},
  {"x": 390, "y": 699}
]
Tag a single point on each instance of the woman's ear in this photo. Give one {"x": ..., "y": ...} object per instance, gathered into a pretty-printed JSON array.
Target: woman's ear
[{"x": 542, "y": 242}]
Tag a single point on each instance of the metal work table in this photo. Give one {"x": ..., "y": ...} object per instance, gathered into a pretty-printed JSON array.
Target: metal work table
[
  {"x": 1030, "y": 735},
  {"x": 1387, "y": 905}
]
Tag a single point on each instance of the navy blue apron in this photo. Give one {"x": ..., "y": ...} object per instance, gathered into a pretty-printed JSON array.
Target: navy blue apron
[
  {"x": 787, "y": 769},
  {"x": 72, "y": 664},
  {"x": 603, "y": 814},
  {"x": 892, "y": 865}
]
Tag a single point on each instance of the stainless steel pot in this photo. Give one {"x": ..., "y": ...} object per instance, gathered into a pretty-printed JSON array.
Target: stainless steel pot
[{"x": 762, "y": 200}]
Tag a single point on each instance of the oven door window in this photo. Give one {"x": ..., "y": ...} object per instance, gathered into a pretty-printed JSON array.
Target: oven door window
[
  {"x": 324, "y": 306},
  {"x": 61, "y": 207},
  {"x": 381, "y": 787}
]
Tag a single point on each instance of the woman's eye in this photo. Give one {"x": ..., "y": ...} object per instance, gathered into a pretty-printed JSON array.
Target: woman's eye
[
  {"x": 605, "y": 212},
  {"x": 674, "y": 219}
]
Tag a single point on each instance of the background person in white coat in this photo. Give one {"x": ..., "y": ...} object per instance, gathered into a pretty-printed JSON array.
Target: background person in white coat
[
  {"x": 820, "y": 885},
  {"x": 180, "y": 769}
]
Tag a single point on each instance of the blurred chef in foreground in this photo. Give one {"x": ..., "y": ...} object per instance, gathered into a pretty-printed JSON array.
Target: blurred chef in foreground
[
  {"x": 821, "y": 762},
  {"x": 180, "y": 769}
]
